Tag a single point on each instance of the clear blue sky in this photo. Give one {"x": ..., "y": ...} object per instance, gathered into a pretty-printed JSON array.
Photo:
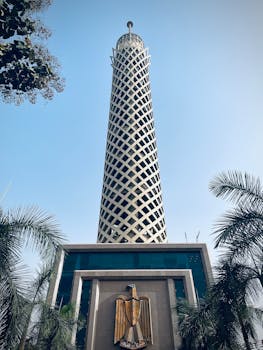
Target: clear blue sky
[{"x": 207, "y": 87}]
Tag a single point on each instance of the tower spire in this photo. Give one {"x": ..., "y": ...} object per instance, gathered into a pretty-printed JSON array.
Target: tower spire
[
  {"x": 131, "y": 205},
  {"x": 130, "y": 25}
]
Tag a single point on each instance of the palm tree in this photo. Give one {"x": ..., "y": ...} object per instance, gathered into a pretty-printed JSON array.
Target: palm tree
[
  {"x": 211, "y": 324},
  {"x": 53, "y": 329},
  {"x": 226, "y": 312},
  {"x": 196, "y": 325},
  {"x": 36, "y": 295},
  {"x": 240, "y": 233},
  {"x": 217, "y": 321},
  {"x": 46, "y": 327},
  {"x": 232, "y": 295},
  {"x": 12, "y": 300},
  {"x": 30, "y": 227},
  {"x": 240, "y": 230}
]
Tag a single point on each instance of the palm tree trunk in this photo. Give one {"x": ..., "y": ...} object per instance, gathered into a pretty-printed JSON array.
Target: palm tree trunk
[
  {"x": 244, "y": 332},
  {"x": 24, "y": 334},
  {"x": 51, "y": 337},
  {"x": 261, "y": 276},
  {"x": 25, "y": 331}
]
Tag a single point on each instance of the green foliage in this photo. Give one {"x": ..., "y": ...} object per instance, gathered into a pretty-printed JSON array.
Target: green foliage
[
  {"x": 12, "y": 304},
  {"x": 55, "y": 328},
  {"x": 232, "y": 295},
  {"x": 240, "y": 230},
  {"x": 226, "y": 314},
  {"x": 196, "y": 325},
  {"x": 18, "y": 293},
  {"x": 239, "y": 188},
  {"x": 35, "y": 295},
  {"x": 26, "y": 67}
]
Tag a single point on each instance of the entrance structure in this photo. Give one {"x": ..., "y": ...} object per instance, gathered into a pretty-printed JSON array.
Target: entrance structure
[{"x": 126, "y": 286}]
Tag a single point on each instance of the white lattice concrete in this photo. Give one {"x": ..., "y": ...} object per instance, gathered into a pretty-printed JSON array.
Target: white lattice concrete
[{"x": 131, "y": 205}]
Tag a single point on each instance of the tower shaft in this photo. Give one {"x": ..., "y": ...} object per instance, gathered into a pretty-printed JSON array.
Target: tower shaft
[{"x": 131, "y": 205}]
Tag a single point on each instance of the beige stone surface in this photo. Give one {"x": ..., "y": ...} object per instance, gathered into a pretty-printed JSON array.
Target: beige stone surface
[{"x": 156, "y": 290}]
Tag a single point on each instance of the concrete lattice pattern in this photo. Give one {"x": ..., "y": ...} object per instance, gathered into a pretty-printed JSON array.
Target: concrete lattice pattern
[{"x": 131, "y": 206}]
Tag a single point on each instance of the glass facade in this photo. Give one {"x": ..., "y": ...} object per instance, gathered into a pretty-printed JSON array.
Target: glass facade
[
  {"x": 83, "y": 313},
  {"x": 179, "y": 288},
  {"x": 131, "y": 261}
]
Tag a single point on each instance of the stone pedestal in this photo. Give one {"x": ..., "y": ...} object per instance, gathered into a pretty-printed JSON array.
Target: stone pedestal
[{"x": 91, "y": 277}]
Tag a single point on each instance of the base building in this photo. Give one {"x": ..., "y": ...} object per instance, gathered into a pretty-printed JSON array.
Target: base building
[{"x": 127, "y": 285}]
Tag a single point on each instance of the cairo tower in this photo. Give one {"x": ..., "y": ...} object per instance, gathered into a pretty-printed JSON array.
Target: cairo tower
[
  {"x": 125, "y": 287},
  {"x": 131, "y": 205}
]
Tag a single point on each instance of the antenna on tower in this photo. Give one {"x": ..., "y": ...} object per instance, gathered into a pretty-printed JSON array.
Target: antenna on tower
[
  {"x": 197, "y": 236},
  {"x": 130, "y": 25}
]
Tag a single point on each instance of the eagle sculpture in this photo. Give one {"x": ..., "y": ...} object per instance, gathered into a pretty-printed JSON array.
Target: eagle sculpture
[{"x": 133, "y": 321}]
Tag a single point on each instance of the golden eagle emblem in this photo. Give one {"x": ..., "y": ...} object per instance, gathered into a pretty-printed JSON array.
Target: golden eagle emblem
[{"x": 133, "y": 321}]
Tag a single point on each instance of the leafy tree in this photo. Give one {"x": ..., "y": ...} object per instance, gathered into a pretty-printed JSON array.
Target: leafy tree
[
  {"x": 19, "y": 228},
  {"x": 26, "y": 66}
]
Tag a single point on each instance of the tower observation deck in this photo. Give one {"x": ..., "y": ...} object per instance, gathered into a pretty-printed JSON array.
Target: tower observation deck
[{"x": 131, "y": 205}]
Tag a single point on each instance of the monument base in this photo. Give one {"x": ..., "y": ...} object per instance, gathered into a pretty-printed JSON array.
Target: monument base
[{"x": 92, "y": 277}]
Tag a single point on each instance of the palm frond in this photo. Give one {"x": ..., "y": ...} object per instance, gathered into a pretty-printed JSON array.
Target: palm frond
[
  {"x": 257, "y": 313},
  {"x": 245, "y": 248},
  {"x": 240, "y": 222},
  {"x": 35, "y": 296},
  {"x": 236, "y": 281},
  {"x": 238, "y": 188},
  {"x": 37, "y": 228},
  {"x": 39, "y": 284},
  {"x": 4, "y": 308},
  {"x": 10, "y": 245},
  {"x": 196, "y": 324},
  {"x": 32, "y": 227},
  {"x": 13, "y": 296},
  {"x": 55, "y": 328},
  {"x": 231, "y": 293}
]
